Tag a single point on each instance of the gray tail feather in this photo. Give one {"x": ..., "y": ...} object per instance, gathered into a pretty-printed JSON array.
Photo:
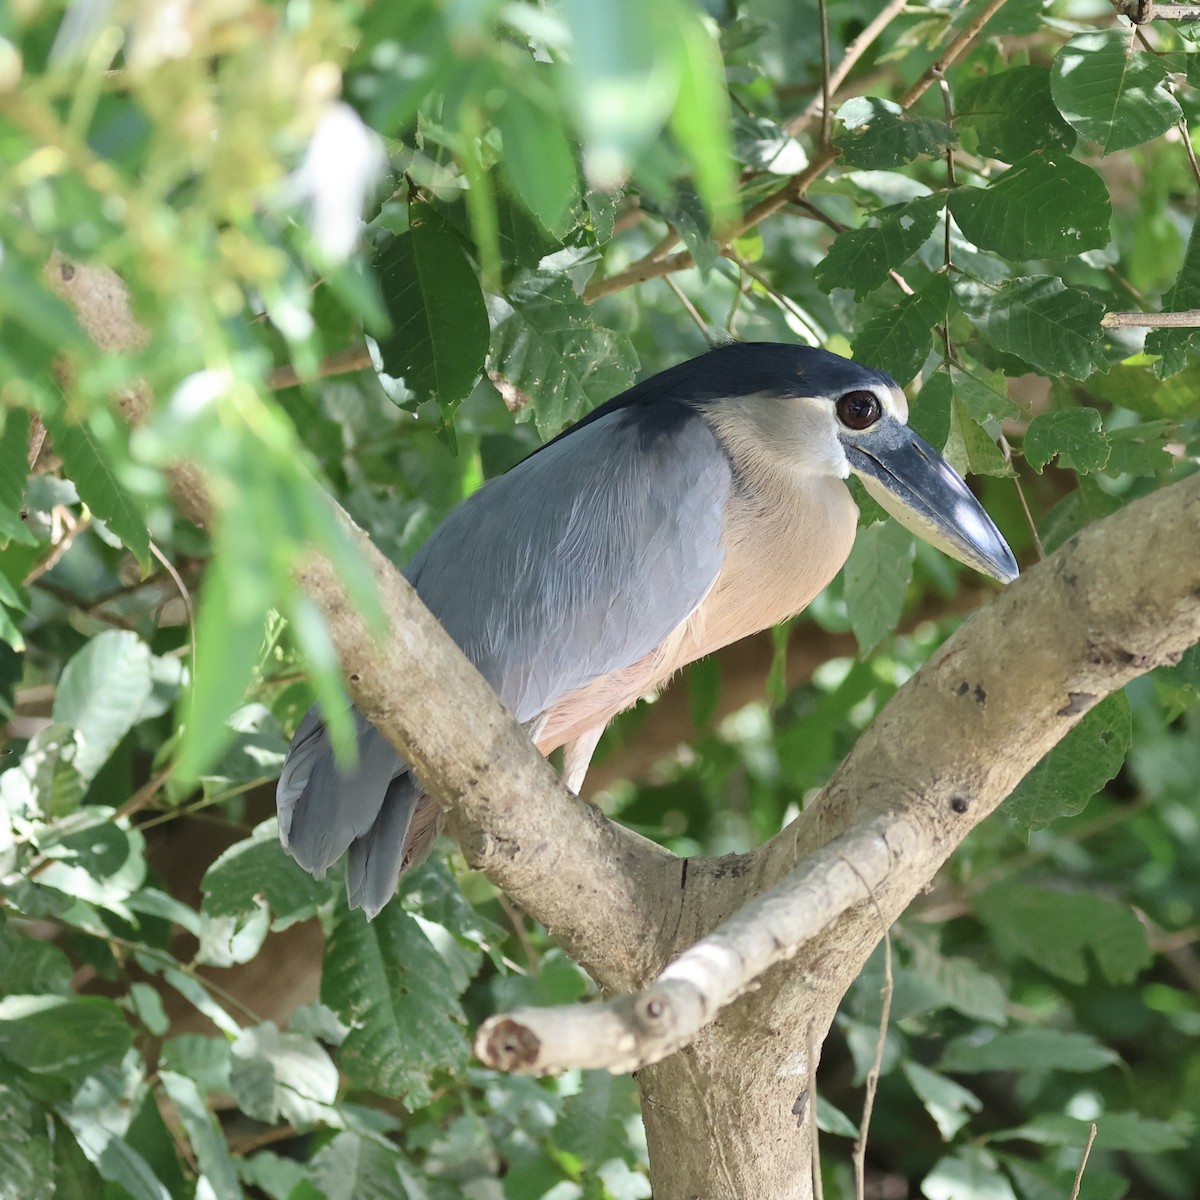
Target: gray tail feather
[{"x": 377, "y": 811}]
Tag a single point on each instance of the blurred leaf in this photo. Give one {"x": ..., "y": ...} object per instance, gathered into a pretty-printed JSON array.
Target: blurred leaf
[
  {"x": 862, "y": 258},
  {"x": 878, "y": 573},
  {"x": 1140, "y": 449},
  {"x": 26, "y": 1170},
  {"x": 386, "y": 981},
  {"x": 1027, "y": 1050},
  {"x": 87, "y": 465},
  {"x": 1112, "y": 91},
  {"x": 538, "y": 161},
  {"x": 879, "y": 135},
  {"x": 282, "y": 1076},
  {"x": 1056, "y": 929},
  {"x": 1133, "y": 386},
  {"x": 255, "y": 870},
  {"x": 358, "y": 1166},
  {"x": 929, "y": 413},
  {"x": 1013, "y": 113},
  {"x": 593, "y": 1121},
  {"x": 439, "y": 331},
  {"x": 207, "y": 1140},
  {"x": 14, "y": 469},
  {"x": 1077, "y": 767},
  {"x": 972, "y": 1172},
  {"x": 53, "y": 1035},
  {"x": 546, "y": 345},
  {"x": 1114, "y": 1131},
  {"x": 1173, "y": 345},
  {"x": 101, "y": 695},
  {"x": 115, "y": 1160},
  {"x": 948, "y": 1103},
  {"x": 898, "y": 340},
  {"x": 1046, "y": 206},
  {"x": 1075, "y": 436},
  {"x": 1039, "y": 319}
]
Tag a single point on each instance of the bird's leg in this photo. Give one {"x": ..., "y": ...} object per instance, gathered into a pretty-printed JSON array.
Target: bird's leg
[{"x": 577, "y": 757}]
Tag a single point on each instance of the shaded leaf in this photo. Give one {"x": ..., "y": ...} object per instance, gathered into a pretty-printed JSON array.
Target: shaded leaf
[
  {"x": 87, "y": 465},
  {"x": 1013, "y": 113},
  {"x": 1173, "y": 345},
  {"x": 862, "y": 258},
  {"x": 972, "y": 1172},
  {"x": 1114, "y": 1131},
  {"x": 1112, "y": 91},
  {"x": 948, "y": 1103},
  {"x": 1077, "y": 767},
  {"x": 204, "y": 1133},
  {"x": 386, "y": 981},
  {"x": 439, "y": 331},
  {"x": 546, "y": 345},
  {"x": 56, "y": 1035},
  {"x": 878, "y": 573},
  {"x": 1075, "y": 436},
  {"x": 878, "y": 134},
  {"x": 26, "y": 1164},
  {"x": 14, "y": 469},
  {"x": 1039, "y": 319},
  {"x": 1055, "y": 930},
  {"x": 538, "y": 161},
  {"x": 1048, "y": 205},
  {"x": 1028, "y": 1050},
  {"x": 898, "y": 340},
  {"x": 101, "y": 695},
  {"x": 358, "y": 1166}
]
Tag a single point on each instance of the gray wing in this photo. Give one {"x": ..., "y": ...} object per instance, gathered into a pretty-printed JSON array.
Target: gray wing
[
  {"x": 581, "y": 559},
  {"x": 577, "y": 562}
]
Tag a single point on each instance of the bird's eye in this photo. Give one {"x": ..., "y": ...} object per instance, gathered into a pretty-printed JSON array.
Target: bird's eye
[{"x": 859, "y": 410}]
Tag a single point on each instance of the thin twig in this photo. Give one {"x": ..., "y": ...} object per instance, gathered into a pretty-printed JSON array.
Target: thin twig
[
  {"x": 1185, "y": 319},
  {"x": 1087, "y": 1150},
  {"x": 691, "y": 310},
  {"x": 72, "y": 529},
  {"x": 340, "y": 362},
  {"x": 826, "y": 90},
  {"x": 1006, "y": 448},
  {"x": 854, "y": 52},
  {"x": 889, "y": 984},
  {"x": 814, "y": 1133}
]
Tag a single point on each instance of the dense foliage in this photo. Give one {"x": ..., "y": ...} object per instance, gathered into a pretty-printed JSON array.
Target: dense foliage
[{"x": 526, "y": 172}]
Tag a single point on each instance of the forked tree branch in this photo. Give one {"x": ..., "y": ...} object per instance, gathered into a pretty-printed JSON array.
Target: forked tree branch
[{"x": 1120, "y": 598}]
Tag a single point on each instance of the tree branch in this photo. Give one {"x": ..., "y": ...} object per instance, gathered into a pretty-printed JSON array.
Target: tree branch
[
  {"x": 591, "y": 882},
  {"x": 1120, "y": 598}
]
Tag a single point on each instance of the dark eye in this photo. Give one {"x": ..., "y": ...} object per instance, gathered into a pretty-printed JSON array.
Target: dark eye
[{"x": 859, "y": 410}]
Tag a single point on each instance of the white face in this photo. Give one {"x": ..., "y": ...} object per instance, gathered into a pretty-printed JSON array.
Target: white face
[{"x": 814, "y": 426}]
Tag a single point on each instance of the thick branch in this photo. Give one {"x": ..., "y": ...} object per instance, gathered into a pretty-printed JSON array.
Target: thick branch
[{"x": 1120, "y": 598}]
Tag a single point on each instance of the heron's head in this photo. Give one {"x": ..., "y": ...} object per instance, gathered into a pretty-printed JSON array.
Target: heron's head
[{"x": 817, "y": 414}]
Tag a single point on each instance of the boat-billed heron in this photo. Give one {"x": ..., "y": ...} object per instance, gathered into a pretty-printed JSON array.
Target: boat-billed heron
[{"x": 703, "y": 505}]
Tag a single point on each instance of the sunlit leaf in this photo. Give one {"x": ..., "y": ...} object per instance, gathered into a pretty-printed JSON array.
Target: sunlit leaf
[
  {"x": 1074, "y": 436},
  {"x": 898, "y": 341},
  {"x": 879, "y": 134},
  {"x": 1112, "y": 90},
  {"x": 1013, "y": 113},
  {"x": 862, "y": 258}
]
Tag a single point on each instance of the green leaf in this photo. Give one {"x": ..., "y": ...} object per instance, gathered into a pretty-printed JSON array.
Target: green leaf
[
  {"x": 31, "y": 966},
  {"x": 592, "y": 1126},
  {"x": 1074, "y": 435},
  {"x": 878, "y": 573},
  {"x": 208, "y": 1142},
  {"x": 386, "y": 981},
  {"x": 1039, "y": 319},
  {"x": 439, "y": 323},
  {"x": 67, "y": 1037},
  {"x": 898, "y": 340},
  {"x": 879, "y": 135},
  {"x": 14, "y": 470},
  {"x": 538, "y": 161},
  {"x": 285, "y": 1076},
  {"x": 95, "y": 859},
  {"x": 1129, "y": 1131},
  {"x": 862, "y": 258},
  {"x": 256, "y": 870},
  {"x": 113, "y": 1158},
  {"x": 1078, "y": 767},
  {"x": 1046, "y": 206},
  {"x": 85, "y": 462},
  {"x": 1174, "y": 345},
  {"x": 971, "y": 1172},
  {"x": 929, "y": 414},
  {"x": 1013, "y": 114},
  {"x": 1132, "y": 386},
  {"x": 984, "y": 393},
  {"x": 1028, "y": 1050},
  {"x": 101, "y": 695},
  {"x": 948, "y": 1103},
  {"x": 1054, "y": 930},
  {"x": 548, "y": 351},
  {"x": 1112, "y": 91},
  {"x": 26, "y": 1167},
  {"x": 358, "y": 1166}
]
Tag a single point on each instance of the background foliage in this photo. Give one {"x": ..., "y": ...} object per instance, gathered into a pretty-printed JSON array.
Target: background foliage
[{"x": 526, "y": 172}]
